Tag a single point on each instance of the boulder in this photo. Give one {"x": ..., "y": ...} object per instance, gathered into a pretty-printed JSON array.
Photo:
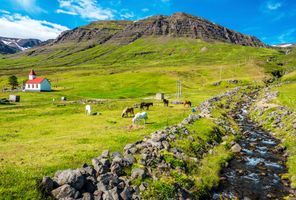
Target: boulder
[
  {"x": 158, "y": 145},
  {"x": 105, "y": 178},
  {"x": 90, "y": 184},
  {"x": 72, "y": 177},
  {"x": 132, "y": 150},
  {"x": 65, "y": 191},
  {"x": 117, "y": 168},
  {"x": 116, "y": 154},
  {"x": 47, "y": 184},
  {"x": 98, "y": 195},
  {"x": 111, "y": 195},
  {"x": 158, "y": 137},
  {"x": 87, "y": 170},
  {"x": 126, "y": 194},
  {"x": 105, "y": 154},
  {"x": 130, "y": 158},
  {"x": 87, "y": 196},
  {"x": 138, "y": 173},
  {"x": 101, "y": 187},
  {"x": 236, "y": 148},
  {"x": 102, "y": 165},
  {"x": 128, "y": 146}
]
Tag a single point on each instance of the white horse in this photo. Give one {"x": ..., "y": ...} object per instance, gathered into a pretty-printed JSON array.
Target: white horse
[
  {"x": 139, "y": 116},
  {"x": 87, "y": 109}
]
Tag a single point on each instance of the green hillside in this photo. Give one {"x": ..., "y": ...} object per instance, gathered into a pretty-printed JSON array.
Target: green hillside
[
  {"x": 149, "y": 54},
  {"x": 39, "y": 136}
]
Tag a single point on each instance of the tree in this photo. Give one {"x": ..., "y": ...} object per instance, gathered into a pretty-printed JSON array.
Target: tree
[{"x": 12, "y": 80}]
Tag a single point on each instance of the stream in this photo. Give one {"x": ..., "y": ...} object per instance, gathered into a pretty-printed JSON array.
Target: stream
[{"x": 255, "y": 172}]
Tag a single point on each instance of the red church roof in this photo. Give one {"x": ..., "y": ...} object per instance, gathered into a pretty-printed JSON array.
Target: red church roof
[
  {"x": 32, "y": 72},
  {"x": 35, "y": 81}
]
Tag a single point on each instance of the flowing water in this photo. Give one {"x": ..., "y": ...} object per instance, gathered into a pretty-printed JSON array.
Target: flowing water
[{"x": 255, "y": 172}]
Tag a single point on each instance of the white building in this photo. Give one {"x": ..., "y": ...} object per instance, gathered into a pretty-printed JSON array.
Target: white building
[{"x": 37, "y": 84}]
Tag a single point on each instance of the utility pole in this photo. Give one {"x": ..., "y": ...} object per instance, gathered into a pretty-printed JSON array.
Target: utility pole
[
  {"x": 179, "y": 89},
  {"x": 220, "y": 73}
]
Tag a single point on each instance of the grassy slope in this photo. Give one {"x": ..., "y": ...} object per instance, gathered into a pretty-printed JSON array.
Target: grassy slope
[
  {"x": 157, "y": 52},
  {"x": 287, "y": 92},
  {"x": 37, "y": 137}
]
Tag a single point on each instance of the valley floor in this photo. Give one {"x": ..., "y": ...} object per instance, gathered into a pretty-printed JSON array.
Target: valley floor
[{"x": 39, "y": 136}]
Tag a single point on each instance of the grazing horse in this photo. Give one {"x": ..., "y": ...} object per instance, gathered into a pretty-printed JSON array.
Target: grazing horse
[
  {"x": 165, "y": 102},
  {"x": 139, "y": 116},
  {"x": 87, "y": 110},
  {"x": 127, "y": 111},
  {"x": 188, "y": 103},
  {"x": 147, "y": 105}
]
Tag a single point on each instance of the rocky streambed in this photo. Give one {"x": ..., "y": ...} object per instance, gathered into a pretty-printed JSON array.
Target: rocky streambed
[{"x": 256, "y": 169}]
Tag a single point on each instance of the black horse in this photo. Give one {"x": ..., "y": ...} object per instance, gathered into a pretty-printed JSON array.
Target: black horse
[
  {"x": 187, "y": 103},
  {"x": 165, "y": 102},
  {"x": 147, "y": 105}
]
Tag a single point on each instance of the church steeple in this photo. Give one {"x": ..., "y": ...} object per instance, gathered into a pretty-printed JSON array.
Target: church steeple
[{"x": 32, "y": 75}]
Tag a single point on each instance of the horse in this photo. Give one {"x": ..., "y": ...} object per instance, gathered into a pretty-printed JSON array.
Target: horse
[
  {"x": 165, "y": 102},
  {"x": 127, "y": 111},
  {"x": 147, "y": 105},
  {"x": 87, "y": 109},
  {"x": 139, "y": 116},
  {"x": 188, "y": 103}
]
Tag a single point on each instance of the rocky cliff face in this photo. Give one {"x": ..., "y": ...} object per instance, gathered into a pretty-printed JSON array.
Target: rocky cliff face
[
  {"x": 177, "y": 25},
  {"x": 99, "y": 32},
  {"x": 184, "y": 25}
]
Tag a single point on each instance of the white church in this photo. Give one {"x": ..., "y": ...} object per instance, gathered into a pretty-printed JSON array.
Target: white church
[{"x": 37, "y": 84}]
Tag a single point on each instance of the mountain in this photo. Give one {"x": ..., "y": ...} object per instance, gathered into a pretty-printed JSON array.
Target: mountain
[
  {"x": 157, "y": 40},
  {"x": 177, "y": 25},
  {"x": 13, "y": 45},
  {"x": 5, "y": 49}
]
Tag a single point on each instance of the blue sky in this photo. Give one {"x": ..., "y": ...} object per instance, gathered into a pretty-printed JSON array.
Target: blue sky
[{"x": 272, "y": 21}]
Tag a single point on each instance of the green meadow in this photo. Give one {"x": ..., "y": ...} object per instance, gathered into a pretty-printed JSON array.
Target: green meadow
[{"x": 39, "y": 136}]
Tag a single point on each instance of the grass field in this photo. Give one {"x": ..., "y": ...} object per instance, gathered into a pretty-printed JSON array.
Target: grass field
[
  {"x": 39, "y": 136},
  {"x": 287, "y": 92}
]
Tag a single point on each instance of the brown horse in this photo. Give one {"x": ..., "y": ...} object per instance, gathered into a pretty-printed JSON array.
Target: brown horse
[
  {"x": 188, "y": 103},
  {"x": 165, "y": 102},
  {"x": 127, "y": 111},
  {"x": 147, "y": 105}
]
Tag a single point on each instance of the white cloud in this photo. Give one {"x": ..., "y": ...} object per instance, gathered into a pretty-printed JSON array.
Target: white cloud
[
  {"x": 273, "y": 5},
  {"x": 29, "y": 6},
  {"x": 145, "y": 10},
  {"x": 87, "y": 9},
  {"x": 59, "y": 11},
  {"x": 20, "y": 26}
]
